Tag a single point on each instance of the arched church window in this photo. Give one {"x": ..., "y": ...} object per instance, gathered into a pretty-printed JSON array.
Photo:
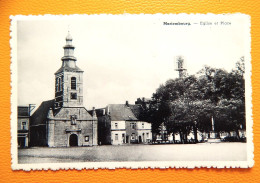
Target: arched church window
[
  {"x": 73, "y": 83},
  {"x": 61, "y": 80},
  {"x": 59, "y": 84}
]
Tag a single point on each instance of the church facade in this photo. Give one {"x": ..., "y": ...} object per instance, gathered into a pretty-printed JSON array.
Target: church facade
[{"x": 64, "y": 121}]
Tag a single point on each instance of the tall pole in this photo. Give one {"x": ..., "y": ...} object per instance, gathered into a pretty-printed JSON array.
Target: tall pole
[
  {"x": 180, "y": 67},
  {"x": 213, "y": 124}
]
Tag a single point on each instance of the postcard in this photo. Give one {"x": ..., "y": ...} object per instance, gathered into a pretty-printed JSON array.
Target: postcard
[{"x": 131, "y": 91}]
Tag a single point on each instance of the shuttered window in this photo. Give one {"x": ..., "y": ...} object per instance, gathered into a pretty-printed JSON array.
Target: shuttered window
[{"x": 73, "y": 83}]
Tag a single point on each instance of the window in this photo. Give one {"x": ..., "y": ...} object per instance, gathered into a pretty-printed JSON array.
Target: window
[
  {"x": 73, "y": 83},
  {"x": 142, "y": 125},
  {"x": 86, "y": 138},
  {"x": 73, "y": 119},
  {"x": 116, "y": 125},
  {"x": 73, "y": 96},
  {"x": 116, "y": 136},
  {"x": 61, "y": 80},
  {"x": 132, "y": 125},
  {"x": 147, "y": 135},
  {"x": 23, "y": 125},
  {"x": 59, "y": 84}
]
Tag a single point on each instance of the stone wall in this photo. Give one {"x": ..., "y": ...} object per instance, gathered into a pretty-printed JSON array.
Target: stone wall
[
  {"x": 67, "y": 101},
  {"x": 63, "y": 130},
  {"x": 72, "y": 122}
]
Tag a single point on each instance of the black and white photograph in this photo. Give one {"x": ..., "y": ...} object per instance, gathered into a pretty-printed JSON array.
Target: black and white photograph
[{"x": 134, "y": 91}]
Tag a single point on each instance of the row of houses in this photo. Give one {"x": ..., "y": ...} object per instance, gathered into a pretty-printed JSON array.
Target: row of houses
[{"x": 117, "y": 124}]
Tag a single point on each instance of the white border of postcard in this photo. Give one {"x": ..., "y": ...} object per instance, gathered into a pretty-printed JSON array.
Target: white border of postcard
[{"x": 132, "y": 165}]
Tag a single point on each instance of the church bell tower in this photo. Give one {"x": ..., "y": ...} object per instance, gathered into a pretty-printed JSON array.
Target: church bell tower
[{"x": 69, "y": 79}]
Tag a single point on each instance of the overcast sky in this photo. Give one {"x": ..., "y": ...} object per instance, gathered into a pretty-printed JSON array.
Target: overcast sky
[{"x": 123, "y": 57}]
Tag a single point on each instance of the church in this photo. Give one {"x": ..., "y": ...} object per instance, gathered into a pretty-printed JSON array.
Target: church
[{"x": 64, "y": 121}]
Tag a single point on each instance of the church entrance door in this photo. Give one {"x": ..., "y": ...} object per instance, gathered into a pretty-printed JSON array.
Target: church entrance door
[{"x": 73, "y": 140}]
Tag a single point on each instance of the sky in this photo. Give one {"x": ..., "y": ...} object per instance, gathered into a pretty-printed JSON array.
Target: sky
[{"x": 124, "y": 57}]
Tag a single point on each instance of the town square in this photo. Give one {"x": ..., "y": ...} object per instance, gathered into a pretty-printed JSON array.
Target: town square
[
  {"x": 166, "y": 152},
  {"x": 159, "y": 102}
]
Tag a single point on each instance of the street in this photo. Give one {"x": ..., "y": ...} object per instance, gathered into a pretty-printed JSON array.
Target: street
[{"x": 108, "y": 153}]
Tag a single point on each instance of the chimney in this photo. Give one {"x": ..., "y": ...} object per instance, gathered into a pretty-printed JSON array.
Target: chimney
[
  {"x": 50, "y": 113},
  {"x": 126, "y": 103},
  {"x": 94, "y": 115},
  {"x": 108, "y": 112}
]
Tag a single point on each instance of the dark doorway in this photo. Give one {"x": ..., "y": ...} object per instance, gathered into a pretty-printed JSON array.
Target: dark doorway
[
  {"x": 73, "y": 140},
  {"x": 140, "y": 139},
  {"x": 127, "y": 139},
  {"x": 21, "y": 142},
  {"x": 123, "y": 137}
]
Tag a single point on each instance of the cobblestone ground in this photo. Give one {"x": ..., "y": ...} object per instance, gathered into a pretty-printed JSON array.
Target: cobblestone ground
[{"x": 169, "y": 152}]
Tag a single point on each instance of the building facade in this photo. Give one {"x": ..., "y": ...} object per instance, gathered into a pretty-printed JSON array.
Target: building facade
[
  {"x": 138, "y": 132},
  {"x": 119, "y": 124},
  {"x": 23, "y": 123},
  {"x": 64, "y": 121}
]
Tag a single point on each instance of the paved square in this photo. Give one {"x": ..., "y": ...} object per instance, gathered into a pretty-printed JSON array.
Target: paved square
[{"x": 109, "y": 153}]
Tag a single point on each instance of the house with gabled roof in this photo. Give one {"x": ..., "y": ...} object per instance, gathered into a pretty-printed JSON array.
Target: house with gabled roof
[
  {"x": 119, "y": 124},
  {"x": 23, "y": 130}
]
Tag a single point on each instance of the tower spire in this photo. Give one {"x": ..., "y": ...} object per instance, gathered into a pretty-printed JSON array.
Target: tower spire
[
  {"x": 69, "y": 79},
  {"x": 68, "y": 58}
]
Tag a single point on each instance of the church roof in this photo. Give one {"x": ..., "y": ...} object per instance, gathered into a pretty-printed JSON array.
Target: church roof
[
  {"x": 69, "y": 69},
  {"x": 40, "y": 115},
  {"x": 23, "y": 111},
  {"x": 121, "y": 112},
  {"x": 66, "y": 112}
]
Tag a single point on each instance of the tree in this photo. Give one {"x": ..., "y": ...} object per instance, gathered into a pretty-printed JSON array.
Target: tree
[{"x": 189, "y": 103}]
